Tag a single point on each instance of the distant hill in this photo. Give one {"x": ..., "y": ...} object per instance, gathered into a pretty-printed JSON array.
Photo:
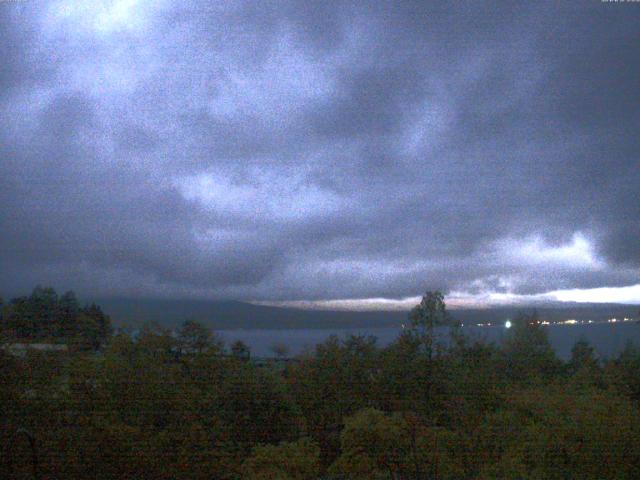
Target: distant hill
[{"x": 232, "y": 315}]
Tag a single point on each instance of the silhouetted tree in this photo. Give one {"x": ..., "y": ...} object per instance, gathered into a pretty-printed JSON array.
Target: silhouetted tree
[
  {"x": 582, "y": 357},
  {"x": 43, "y": 304},
  {"x": 44, "y": 315},
  {"x": 280, "y": 350},
  {"x": 527, "y": 351},
  {"x": 623, "y": 372},
  {"x": 194, "y": 337},
  {"x": 240, "y": 350},
  {"x": 428, "y": 314},
  {"x": 98, "y": 327},
  {"x": 68, "y": 310}
]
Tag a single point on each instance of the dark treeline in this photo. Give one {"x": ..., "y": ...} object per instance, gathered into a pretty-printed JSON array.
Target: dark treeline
[
  {"x": 48, "y": 317},
  {"x": 167, "y": 405}
]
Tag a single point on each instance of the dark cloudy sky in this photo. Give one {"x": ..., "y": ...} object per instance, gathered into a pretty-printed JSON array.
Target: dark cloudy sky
[{"x": 320, "y": 151}]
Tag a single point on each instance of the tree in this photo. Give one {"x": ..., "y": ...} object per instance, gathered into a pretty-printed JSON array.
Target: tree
[
  {"x": 428, "y": 314},
  {"x": 17, "y": 319},
  {"x": 88, "y": 336},
  {"x": 95, "y": 326},
  {"x": 45, "y": 316},
  {"x": 240, "y": 350},
  {"x": 342, "y": 377},
  {"x": 68, "y": 310},
  {"x": 156, "y": 341},
  {"x": 559, "y": 432},
  {"x": 33, "y": 317},
  {"x": 44, "y": 306},
  {"x": 527, "y": 351},
  {"x": 437, "y": 454},
  {"x": 582, "y": 357},
  {"x": 194, "y": 337},
  {"x": 623, "y": 372},
  {"x": 373, "y": 446},
  {"x": 472, "y": 384},
  {"x": 280, "y": 350},
  {"x": 299, "y": 460}
]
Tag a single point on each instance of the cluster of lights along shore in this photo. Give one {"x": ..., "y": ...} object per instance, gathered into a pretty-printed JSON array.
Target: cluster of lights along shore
[{"x": 571, "y": 321}]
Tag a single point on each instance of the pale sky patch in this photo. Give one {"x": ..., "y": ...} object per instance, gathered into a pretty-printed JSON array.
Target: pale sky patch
[
  {"x": 99, "y": 16},
  {"x": 259, "y": 196},
  {"x": 535, "y": 250},
  {"x": 629, "y": 294}
]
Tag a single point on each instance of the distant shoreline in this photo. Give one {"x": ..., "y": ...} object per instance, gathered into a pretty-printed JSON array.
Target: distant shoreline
[{"x": 238, "y": 315}]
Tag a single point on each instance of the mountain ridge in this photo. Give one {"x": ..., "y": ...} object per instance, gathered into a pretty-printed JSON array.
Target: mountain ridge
[{"x": 231, "y": 314}]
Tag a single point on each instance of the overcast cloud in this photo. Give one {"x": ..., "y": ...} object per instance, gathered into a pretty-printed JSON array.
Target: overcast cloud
[{"x": 297, "y": 151}]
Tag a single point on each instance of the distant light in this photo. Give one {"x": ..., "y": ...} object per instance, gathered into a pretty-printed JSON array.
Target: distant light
[{"x": 507, "y": 324}]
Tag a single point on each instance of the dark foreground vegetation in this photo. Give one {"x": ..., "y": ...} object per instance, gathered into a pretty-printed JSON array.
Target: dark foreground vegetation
[{"x": 171, "y": 406}]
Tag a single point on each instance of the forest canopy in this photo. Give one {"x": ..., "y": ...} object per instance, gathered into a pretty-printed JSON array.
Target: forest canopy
[{"x": 172, "y": 405}]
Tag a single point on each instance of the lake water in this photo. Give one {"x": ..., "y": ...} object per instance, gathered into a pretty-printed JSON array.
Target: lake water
[{"x": 608, "y": 339}]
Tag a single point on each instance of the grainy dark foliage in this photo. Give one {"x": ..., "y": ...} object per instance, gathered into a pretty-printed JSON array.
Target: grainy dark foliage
[{"x": 147, "y": 407}]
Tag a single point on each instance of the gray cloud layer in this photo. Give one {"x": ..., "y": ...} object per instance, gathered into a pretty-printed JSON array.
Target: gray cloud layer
[{"x": 296, "y": 150}]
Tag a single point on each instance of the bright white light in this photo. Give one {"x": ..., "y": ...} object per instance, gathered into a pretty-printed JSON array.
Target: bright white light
[
  {"x": 115, "y": 14},
  {"x": 507, "y": 324}
]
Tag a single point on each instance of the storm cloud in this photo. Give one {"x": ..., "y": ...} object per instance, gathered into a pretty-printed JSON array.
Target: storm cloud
[{"x": 274, "y": 151}]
